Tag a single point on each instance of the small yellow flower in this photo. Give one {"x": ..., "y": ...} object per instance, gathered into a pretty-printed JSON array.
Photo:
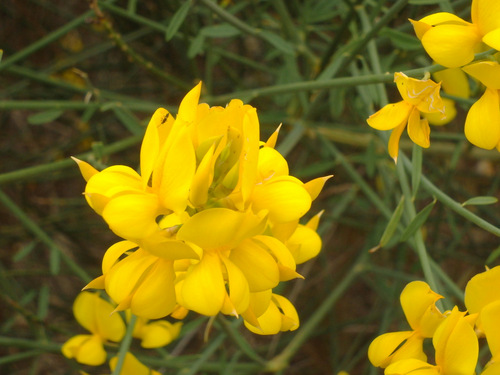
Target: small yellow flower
[
  {"x": 132, "y": 366},
  {"x": 452, "y": 42},
  {"x": 95, "y": 315},
  {"x": 418, "y": 96},
  {"x": 419, "y": 305}
]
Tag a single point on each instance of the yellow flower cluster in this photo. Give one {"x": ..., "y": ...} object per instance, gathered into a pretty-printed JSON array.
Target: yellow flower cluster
[
  {"x": 96, "y": 316},
  {"x": 452, "y": 42},
  {"x": 454, "y": 333},
  {"x": 211, "y": 222}
]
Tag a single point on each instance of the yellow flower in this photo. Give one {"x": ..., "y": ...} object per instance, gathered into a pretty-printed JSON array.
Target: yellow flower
[
  {"x": 212, "y": 217},
  {"x": 482, "y": 125},
  {"x": 155, "y": 334},
  {"x": 419, "y": 305},
  {"x": 490, "y": 317},
  {"x": 452, "y": 42},
  {"x": 456, "y": 347},
  {"x": 132, "y": 366},
  {"x": 418, "y": 96},
  {"x": 95, "y": 315}
]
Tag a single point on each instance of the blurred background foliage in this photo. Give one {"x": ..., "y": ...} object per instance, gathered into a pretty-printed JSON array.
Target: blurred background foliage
[{"x": 83, "y": 78}]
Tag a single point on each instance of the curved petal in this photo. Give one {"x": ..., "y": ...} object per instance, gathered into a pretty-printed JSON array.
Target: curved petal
[
  {"x": 114, "y": 252},
  {"x": 86, "y": 169},
  {"x": 482, "y": 125},
  {"x": 491, "y": 328},
  {"x": 269, "y": 322},
  {"x": 384, "y": 348},
  {"x": 203, "y": 289},
  {"x": 132, "y": 216},
  {"x": 411, "y": 366},
  {"x": 485, "y": 15},
  {"x": 202, "y": 179},
  {"x": 492, "y": 39},
  {"x": 189, "y": 104},
  {"x": 482, "y": 290},
  {"x": 440, "y": 42},
  {"x": 86, "y": 349},
  {"x": 150, "y": 147},
  {"x": 258, "y": 266},
  {"x": 315, "y": 186},
  {"x": 239, "y": 291},
  {"x": 132, "y": 366},
  {"x": 487, "y": 72},
  {"x": 304, "y": 244},
  {"x": 285, "y": 198},
  {"x": 159, "y": 333},
  {"x": 271, "y": 164},
  {"x": 438, "y": 119},
  {"x": 390, "y": 116},
  {"x": 289, "y": 316},
  {"x": 286, "y": 262},
  {"x": 154, "y": 297},
  {"x": 393, "y": 146},
  {"x": 418, "y": 129},
  {"x": 420, "y": 93},
  {"x": 453, "y": 81}
]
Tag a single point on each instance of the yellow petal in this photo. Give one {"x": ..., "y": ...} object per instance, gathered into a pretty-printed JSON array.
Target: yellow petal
[
  {"x": 154, "y": 297},
  {"x": 419, "y": 130},
  {"x": 239, "y": 292},
  {"x": 394, "y": 346},
  {"x": 159, "y": 333},
  {"x": 220, "y": 227},
  {"x": 438, "y": 119},
  {"x": 114, "y": 252},
  {"x": 86, "y": 169},
  {"x": 271, "y": 141},
  {"x": 286, "y": 262},
  {"x": 491, "y": 327},
  {"x": 132, "y": 366},
  {"x": 482, "y": 289},
  {"x": 444, "y": 18},
  {"x": 482, "y": 125},
  {"x": 315, "y": 186},
  {"x": 393, "y": 146},
  {"x": 289, "y": 316},
  {"x": 189, "y": 105},
  {"x": 269, "y": 322},
  {"x": 258, "y": 266},
  {"x": 390, "y": 116},
  {"x": 485, "y": 15},
  {"x": 411, "y": 366},
  {"x": 487, "y": 72},
  {"x": 456, "y": 345},
  {"x": 271, "y": 164},
  {"x": 203, "y": 178},
  {"x": 86, "y": 349},
  {"x": 491, "y": 369},
  {"x": 304, "y": 244},
  {"x": 417, "y": 299},
  {"x": 132, "y": 216},
  {"x": 453, "y": 81},
  {"x": 203, "y": 289},
  {"x": 150, "y": 147},
  {"x": 440, "y": 42},
  {"x": 492, "y": 39},
  {"x": 168, "y": 249},
  {"x": 285, "y": 198}
]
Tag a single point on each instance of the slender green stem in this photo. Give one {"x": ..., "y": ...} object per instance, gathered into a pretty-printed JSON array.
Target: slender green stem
[
  {"x": 281, "y": 361},
  {"x": 33, "y": 227},
  {"x": 452, "y": 204},
  {"x": 74, "y": 105},
  {"x": 239, "y": 340},
  {"x": 43, "y": 169},
  {"x": 46, "y": 346},
  {"x": 125, "y": 345}
]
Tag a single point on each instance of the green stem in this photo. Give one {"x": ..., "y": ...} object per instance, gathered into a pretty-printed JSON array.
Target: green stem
[
  {"x": 281, "y": 361},
  {"x": 46, "y": 346},
  {"x": 125, "y": 345},
  {"x": 32, "y": 226},
  {"x": 42, "y": 105},
  {"x": 43, "y": 169}
]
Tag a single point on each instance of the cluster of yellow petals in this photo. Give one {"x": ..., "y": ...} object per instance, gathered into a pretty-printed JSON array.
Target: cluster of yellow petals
[
  {"x": 453, "y": 42},
  {"x": 454, "y": 333},
  {"x": 211, "y": 222},
  {"x": 419, "y": 96},
  {"x": 97, "y": 316}
]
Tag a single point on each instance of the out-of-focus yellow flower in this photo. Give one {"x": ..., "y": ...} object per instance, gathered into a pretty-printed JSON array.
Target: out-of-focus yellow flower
[
  {"x": 452, "y": 42},
  {"x": 95, "y": 315},
  {"x": 155, "y": 334},
  {"x": 453, "y": 82},
  {"x": 456, "y": 347},
  {"x": 490, "y": 317},
  {"x": 418, "y": 96},
  {"x": 482, "y": 125},
  {"x": 132, "y": 366},
  {"x": 419, "y": 305},
  {"x": 212, "y": 218}
]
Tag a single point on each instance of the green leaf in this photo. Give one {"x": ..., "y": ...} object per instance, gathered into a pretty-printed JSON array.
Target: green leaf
[
  {"x": 177, "y": 20},
  {"x": 220, "y": 31},
  {"x": 23, "y": 252},
  {"x": 43, "y": 302},
  {"x": 493, "y": 256},
  {"x": 480, "y": 201},
  {"x": 44, "y": 117},
  {"x": 401, "y": 40},
  {"x": 54, "y": 261},
  {"x": 417, "y": 221},
  {"x": 196, "y": 46},
  {"x": 393, "y": 223},
  {"x": 128, "y": 119},
  {"x": 278, "y": 42}
]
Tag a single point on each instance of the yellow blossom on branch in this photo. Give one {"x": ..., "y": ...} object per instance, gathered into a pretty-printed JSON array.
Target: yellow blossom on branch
[
  {"x": 211, "y": 220},
  {"x": 419, "y": 96}
]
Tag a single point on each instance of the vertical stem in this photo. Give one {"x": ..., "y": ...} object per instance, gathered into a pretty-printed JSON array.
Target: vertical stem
[{"x": 125, "y": 345}]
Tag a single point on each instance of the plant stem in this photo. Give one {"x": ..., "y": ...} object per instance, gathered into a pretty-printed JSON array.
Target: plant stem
[{"x": 125, "y": 345}]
